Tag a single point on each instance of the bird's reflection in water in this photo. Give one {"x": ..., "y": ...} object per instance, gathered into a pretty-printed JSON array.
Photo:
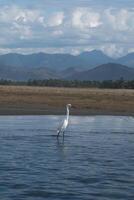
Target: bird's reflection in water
[
  {"x": 60, "y": 142},
  {"x": 61, "y": 146}
]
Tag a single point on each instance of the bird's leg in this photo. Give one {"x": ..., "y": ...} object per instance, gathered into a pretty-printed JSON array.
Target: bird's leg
[
  {"x": 58, "y": 134},
  {"x": 63, "y": 139},
  {"x": 63, "y": 133}
]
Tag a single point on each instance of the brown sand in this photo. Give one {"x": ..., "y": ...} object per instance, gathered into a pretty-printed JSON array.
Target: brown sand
[{"x": 23, "y": 100}]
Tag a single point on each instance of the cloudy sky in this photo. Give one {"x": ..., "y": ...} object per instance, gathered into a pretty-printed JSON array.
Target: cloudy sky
[{"x": 67, "y": 26}]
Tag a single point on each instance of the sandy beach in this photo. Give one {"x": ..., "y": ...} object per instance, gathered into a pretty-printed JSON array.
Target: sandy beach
[{"x": 24, "y": 100}]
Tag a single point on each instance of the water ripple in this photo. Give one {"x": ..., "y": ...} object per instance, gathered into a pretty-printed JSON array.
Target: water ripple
[{"x": 94, "y": 161}]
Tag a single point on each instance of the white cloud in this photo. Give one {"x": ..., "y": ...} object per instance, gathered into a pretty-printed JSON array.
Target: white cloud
[
  {"x": 41, "y": 20},
  {"x": 67, "y": 30},
  {"x": 18, "y": 15},
  {"x": 57, "y": 33},
  {"x": 85, "y": 18},
  {"x": 18, "y": 22},
  {"x": 113, "y": 50},
  {"x": 56, "y": 19},
  {"x": 120, "y": 20},
  {"x": 27, "y": 16},
  {"x": 23, "y": 32}
]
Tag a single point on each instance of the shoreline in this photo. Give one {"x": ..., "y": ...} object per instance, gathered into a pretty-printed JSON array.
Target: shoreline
[
  {"x": 24, "y": 100},
  {"x": 23, "y": 112}
]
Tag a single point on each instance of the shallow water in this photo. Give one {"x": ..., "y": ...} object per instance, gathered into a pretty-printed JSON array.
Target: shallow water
[{"x": 94, "y": 161}]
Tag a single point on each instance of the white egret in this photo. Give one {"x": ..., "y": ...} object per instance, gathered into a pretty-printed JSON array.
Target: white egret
[{"x": 64, "y": 125}]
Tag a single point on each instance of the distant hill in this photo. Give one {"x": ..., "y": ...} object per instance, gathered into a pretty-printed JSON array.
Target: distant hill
[
  {"x": 85, "y": 60},
  {"x": 20, "y": 74},
  {"x": 127, "y": 60},
  {"x": 52, "y": 61},
  {"x": 65, "y": 66},
  {"x": 68, "y": 72},
  {"x": 110, "y": 71},
  {"x": 94, "y": 58}
]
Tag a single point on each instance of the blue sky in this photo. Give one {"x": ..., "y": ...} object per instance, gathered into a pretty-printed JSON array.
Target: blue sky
[{"x": 67, "y": 26}]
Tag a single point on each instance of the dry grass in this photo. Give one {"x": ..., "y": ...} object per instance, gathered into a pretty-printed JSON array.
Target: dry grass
[{"x": 46, "y": 100}]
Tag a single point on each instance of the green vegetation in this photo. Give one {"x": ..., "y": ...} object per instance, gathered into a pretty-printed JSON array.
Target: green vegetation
[{"x": 117, "y": 84}]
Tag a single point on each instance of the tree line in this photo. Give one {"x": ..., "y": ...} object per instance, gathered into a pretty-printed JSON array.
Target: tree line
[{"x": 116, "y": 84}]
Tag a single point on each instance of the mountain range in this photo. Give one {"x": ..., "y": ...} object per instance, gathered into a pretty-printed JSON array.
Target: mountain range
[
  {"x": 94, "y": 65},
  {"x": 110, "y": 71}
]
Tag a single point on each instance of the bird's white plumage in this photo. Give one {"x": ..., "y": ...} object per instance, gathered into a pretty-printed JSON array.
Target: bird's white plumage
[{"x": 64, "y": 125}]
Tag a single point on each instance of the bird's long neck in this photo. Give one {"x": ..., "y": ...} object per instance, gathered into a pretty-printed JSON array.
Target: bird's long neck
[{"x": 67, "y": 113}]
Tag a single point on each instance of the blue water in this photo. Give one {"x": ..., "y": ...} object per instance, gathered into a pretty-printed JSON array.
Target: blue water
[{"x": 95, "y": 161}]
